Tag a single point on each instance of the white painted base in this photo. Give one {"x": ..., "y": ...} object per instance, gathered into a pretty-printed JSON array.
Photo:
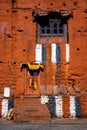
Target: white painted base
[{"x": 4, "y": 107}]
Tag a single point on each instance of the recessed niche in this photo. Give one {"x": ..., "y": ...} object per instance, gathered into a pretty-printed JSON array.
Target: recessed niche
[
  {"x": 84, "y": 30},
  {"x": 75, "y": 3},
  {"x": 78, "y": 31},
  {"x": 7, "y": 10},
  {"x": 51, "y": 4},
  {"x": 20, "y": 30},
  {"x": 9, "y": 36},
  {"x": 26, "y": 17},
  {"x": 64, "y": 4},
  {"x": 1, "y": 61},
  {"x": 13, "y": 1},
  {"x": 24, "y": 50},
  {"x": 35, "y": 6},
  {"x": 14, "y": 62},
  {"x": 78, "y": 49},
  {"x": 85, "y": 11}
]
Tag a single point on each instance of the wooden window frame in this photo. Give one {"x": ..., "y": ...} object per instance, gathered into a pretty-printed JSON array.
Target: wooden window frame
[{"x": 51, "y": 34}]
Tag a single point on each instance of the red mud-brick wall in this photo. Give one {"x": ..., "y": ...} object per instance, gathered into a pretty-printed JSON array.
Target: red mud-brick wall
[
  {"x": 72, "y": 76},
  {"x": 0, "y": 108},
  {"x": 83, "y": 100},
  {"x": 24, "y": 40},
  {"x": 7, "y": 63},
  {"x": 5, "y": 31},
  {"x": 66, "y": 106},
  {"x": 18, "y": 40}
]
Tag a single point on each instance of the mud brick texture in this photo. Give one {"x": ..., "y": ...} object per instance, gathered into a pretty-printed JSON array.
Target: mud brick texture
[{"x": 18, "y": 40}]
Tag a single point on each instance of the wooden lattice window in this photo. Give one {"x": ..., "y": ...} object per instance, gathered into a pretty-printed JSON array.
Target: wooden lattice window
[{"x": 52, "y": 28}]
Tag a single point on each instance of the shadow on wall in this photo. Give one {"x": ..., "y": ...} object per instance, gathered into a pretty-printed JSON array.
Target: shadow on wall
[
  {"x": 52, "y": 106},
  {"x": 78, "y": 107},
  {"x": 10, "y": 103}
]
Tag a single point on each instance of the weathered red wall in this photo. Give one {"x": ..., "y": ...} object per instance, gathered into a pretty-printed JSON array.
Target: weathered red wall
[
  {"x": 0, "y": 108},
  {"x": 18, "y": 40}
]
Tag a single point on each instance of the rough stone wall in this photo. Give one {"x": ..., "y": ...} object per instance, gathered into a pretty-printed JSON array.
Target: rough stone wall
[{"x": 18, "y": 42}]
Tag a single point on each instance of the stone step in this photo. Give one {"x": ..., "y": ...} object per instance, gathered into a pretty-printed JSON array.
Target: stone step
[
  {"x": 32, "y": 120},
  {"x": 31, "y": 110}
]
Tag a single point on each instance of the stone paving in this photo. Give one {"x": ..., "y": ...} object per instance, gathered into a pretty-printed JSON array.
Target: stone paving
[{"x": 57, "y": 124}]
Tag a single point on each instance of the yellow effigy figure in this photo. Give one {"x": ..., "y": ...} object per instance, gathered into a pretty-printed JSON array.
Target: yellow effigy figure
[
  {"x": 34, "y": 70},
  {"x": 33, "y": 83}
]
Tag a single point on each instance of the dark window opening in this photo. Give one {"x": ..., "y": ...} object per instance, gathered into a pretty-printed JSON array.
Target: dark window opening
[
  {"x": 52, "y": 28},
  {"x": 43, "y": 54}
]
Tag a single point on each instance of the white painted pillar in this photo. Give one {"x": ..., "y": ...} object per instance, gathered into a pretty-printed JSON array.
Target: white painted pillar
[
  {"x": 58, "y": 101},
  {"x": 72, "y": 106},
  {"x": 4, "y": 107},
  {"x": 53, "y": 54},
  {"x": 39, "y": 53},
  {"x": 44, "y": 99},
  {"x": 67, "y": 53},
  {"x": 5, "y": 101},
  {"x": 7, "y": 92}
]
